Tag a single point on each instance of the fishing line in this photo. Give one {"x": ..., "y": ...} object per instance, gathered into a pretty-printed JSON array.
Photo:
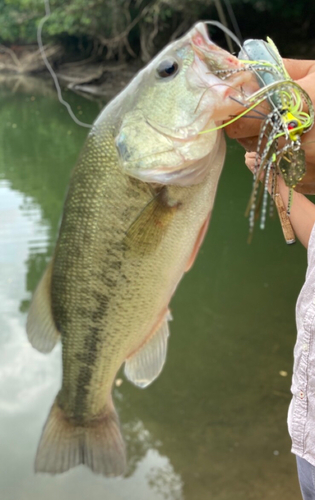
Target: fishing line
[
  {"x": 252, "y": 117},
  {"x": 263, "y": 115},
  {"x": 223, "y": 20},
  {"x": 233, "y": 19},
  {"x": 50, "y": 69},
  {"x": 225, "y": 30}
]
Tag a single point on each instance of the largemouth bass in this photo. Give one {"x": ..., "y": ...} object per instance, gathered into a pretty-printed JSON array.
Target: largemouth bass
[{"x": 136, "y": 212}]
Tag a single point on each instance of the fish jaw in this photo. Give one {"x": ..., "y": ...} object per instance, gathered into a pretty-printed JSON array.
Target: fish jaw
[{"x": 187, "y": 172}]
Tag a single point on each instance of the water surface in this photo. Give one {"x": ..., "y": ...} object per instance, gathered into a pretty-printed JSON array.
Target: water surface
[{"x": 213, "y": 426}]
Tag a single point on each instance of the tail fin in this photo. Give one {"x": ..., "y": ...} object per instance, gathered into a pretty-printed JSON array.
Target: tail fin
[{"x": 97, "y": 444}]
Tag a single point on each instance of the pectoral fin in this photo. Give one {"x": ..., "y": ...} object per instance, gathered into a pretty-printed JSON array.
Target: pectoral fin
[
  {"x": 147, "y": 231},
  {"x": 40, "y": 326},
  {"x": 147, "y": 363}
]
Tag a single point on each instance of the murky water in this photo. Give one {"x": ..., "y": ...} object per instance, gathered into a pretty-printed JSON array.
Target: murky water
[{"x": 213, "y": 426}]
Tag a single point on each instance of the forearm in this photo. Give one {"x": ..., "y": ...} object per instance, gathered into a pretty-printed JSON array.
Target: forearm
[{"x": 302, "y": 214}]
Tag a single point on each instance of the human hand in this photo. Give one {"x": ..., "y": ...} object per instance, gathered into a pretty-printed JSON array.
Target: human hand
[{"x": 246, "y": 130}]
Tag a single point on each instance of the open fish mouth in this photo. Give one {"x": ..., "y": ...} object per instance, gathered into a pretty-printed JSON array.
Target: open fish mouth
[
  {"x": 216, "y": 57},
  {"x": 211, "y": 62}
]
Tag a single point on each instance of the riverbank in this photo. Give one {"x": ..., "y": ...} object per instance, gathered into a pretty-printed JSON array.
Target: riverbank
[{"x": 94, "y": 78}]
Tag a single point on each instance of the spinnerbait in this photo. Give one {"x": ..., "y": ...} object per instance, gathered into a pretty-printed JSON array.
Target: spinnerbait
[
  {"x": 286, "y": 121},
  {"x": 279, "y": 142}
]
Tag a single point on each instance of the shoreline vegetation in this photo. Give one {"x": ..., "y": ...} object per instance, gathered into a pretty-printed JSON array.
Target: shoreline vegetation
[
  {"x": 91, "y": 78},
  {"x": 96, "y": 46}
]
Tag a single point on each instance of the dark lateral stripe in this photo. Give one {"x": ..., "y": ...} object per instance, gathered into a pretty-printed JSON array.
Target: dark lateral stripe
[{"x": 89, "y": 358}]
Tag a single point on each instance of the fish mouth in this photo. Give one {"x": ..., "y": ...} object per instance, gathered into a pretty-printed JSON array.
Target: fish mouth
[
  {"x": 214, "y": 56},
  {"x": 214, "y": 66}
]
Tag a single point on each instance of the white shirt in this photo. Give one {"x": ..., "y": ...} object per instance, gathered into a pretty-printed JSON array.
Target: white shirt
[{"x": 301, "y": 416}]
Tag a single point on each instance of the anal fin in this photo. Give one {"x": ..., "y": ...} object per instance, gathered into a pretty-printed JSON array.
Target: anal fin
[
  {"x": 40, "y": 326},
  {"x": 146, "y": 364}
]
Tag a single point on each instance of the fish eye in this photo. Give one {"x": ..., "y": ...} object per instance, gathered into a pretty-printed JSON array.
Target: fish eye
[{"x": 168, "y": 67}]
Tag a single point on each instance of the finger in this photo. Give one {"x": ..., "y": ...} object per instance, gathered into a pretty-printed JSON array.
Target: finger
[
  {"x": 250, "y": 154},
  {"x": 250, "y": 160},
  {"x": 303, "y": 73},
  {"x": 299, "y": 69}
]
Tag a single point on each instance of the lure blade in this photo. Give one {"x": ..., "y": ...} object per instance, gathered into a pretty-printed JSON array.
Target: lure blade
[{"x": 292, "y": 166}]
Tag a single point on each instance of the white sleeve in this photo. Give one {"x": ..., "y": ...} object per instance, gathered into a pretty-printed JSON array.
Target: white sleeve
[{"x": 311, "y": 251}]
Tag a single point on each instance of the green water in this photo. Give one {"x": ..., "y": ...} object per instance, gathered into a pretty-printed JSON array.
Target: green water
[{"x": 213, "y": 426}]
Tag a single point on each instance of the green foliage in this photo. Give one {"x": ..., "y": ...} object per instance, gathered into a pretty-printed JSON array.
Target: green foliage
[
  {"x": 17, "y": 21},
  {"x": 118, "y": 27},
  {"x": 98, "y": 19}
]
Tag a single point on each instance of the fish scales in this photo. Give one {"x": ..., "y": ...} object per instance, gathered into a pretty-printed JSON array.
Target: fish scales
[
  {"x": 87, "y": 273},
  {"x": 135, "y": 215}
]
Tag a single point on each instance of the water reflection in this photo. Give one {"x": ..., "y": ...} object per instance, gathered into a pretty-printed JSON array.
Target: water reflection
[
  {"x": 37, "y": 152},
  {"x": 27, "y": 85}
]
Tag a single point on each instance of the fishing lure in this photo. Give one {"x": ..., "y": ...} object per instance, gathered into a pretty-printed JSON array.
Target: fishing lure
[
  {"x": 286, "y": 121},
  {"x": 279, "y": 142}
]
